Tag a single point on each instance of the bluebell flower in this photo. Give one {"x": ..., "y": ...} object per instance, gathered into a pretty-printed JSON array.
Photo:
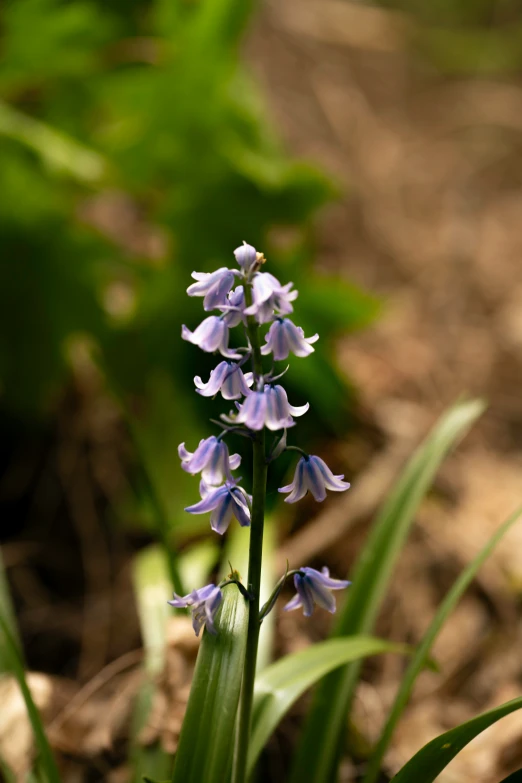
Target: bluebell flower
[
  {"x": 269, "y": 296},
  {"x": 211, "y": 335},
  {"x": 233, "y": 309},
  {"x": 211, "y": 459},
  {"x": 285, "y": 337},
  {"x": 227, "y": 378},
  {"x": 214, "y": 286},
  {"x": 224, "y": 502},
  {"x": 313, "y": 474},
  {"x": 268, "y": 408},
  {"x": 314, "y": 587},
  {"x": 246, "y": 256},
  {"x": 203, "y": 603}
]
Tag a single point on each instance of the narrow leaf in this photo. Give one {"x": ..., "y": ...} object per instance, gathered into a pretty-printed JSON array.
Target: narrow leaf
[
  {"x": 319, "y": 751},
  {"x": 429, "y": 762},
  {"x": 45, "y": 754},
  {"x": 205, "y": 745},
  {"x": 279, "y": 686},
  {"x": 7, "y": 612},
  {"x": 420, "y": 658}
]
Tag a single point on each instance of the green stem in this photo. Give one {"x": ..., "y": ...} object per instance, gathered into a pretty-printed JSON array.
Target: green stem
[{"x": 254, "y": 575}]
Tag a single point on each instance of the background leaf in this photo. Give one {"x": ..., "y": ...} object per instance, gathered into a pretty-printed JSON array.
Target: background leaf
[
  {"x": 429, "y": 762},
  {"x": 320, "y": 746},
  {"x": 420, "y": 658}
]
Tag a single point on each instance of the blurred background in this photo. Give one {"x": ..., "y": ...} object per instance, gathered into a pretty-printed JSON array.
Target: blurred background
[{"x": 373, "y": 152}]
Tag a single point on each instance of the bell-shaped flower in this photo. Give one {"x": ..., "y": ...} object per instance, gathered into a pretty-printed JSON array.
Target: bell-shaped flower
[
  {"x": 211, "y": 335},
  {"x": 224, "y": 503},
  {"x": 246, "y": 256},
  {"x": 214, "y": 286},
  {"x": 233, "y": 309},
  {"x": 313, "y": 474},
  {"x": 285, "y": 337},
  {"x": 269, "y": 296},
  {"x": 227, "y": 378},
  {"x": 211, "y": 459},
  {"x": 268, "y": 408},
  {"x": 314, "y": 587},
  {"x": 204, "y": 604}
]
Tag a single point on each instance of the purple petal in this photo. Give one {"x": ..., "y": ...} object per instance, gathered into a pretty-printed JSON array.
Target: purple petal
[
  {"x": 331, "y": 482},
  {"x": 208, "y": 503},
  {"x": 314, "y": 480},
  {"x": 222, "y": 514}
]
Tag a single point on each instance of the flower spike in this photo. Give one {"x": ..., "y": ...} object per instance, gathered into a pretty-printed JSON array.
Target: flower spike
[
  {"x": 211, "y": 335},
  {"x": 204, "y": 605},
  {"x": 227, "y": 378},
  {"x": 214, "y": 287},
  {"x": 314, "y": 587},
  {"x": 313, "y": 474},
  {"x": 224, "y": 502},
  {"x": 284, "y": 338},
  {"x": 268, "y": 408},
  {"x": 211, "y": 459}
]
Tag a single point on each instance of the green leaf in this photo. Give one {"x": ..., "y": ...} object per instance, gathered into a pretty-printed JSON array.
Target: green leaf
[
  {"x": 429, "y": 762},
  {"x": 321, "y": 744},
  {"x": 45, "y": 754},
  {"x": 205, "y": 745},
  {"x": 279, "y": 686},
  {"x": 420, "y": 658}
]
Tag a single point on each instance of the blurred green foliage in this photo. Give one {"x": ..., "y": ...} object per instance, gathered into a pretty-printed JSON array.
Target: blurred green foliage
[{"x": 135, "y": 148}]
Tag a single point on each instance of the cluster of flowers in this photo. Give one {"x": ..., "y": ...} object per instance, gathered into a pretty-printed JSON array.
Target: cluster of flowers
[{"x": 264, "y": 404}]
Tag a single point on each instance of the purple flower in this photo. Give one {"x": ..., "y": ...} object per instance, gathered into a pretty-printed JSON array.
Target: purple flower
[
  {"x": 204, "y": 604},
  {"x": 211, "y": 459},
  {"x": 246, "y": 256},
  {"x": 224, "y": 502},
  {"x": 227, "y": 378},
  {"x": 214, "y": 286},
  {"x": 268, "y": 408},
  {"x": 314, "y": 587},
  {"x": 233, "y": 309},
  {"x": 285, "y": 337},
  {"x": 313, "y": 474},
  {"x": 211, "y": 335},
  {"x": 269, "y": 295}
]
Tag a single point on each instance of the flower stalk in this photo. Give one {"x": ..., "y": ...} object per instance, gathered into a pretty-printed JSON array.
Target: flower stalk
[
  {"x": 254, "y": 571},
  {"x": 260, "y": 405}
]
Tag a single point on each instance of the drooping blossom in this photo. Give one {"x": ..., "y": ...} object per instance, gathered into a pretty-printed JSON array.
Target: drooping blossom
[
  {"x": 314, "y": 587},
  {"x": 268, "y": 408},
  {"x": 227, "y": 378},
  {"x": 313, "y": 474},
  {"x": 204, "y": 604},
  {"x": 214, "y": 286},
  {"x": 269, "y": 296},
  {"x": 224, "y": 503},
  {"x": 211, "y": 459},
  {"x": 246, "y": 256},
  {"x": 234, "y": 307},
  {"x": 211, "y": 335},
  {"x": 285, "y": 337}
]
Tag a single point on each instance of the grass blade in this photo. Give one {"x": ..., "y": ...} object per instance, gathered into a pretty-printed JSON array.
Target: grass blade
[
  {"x": 320, "y": 748},
  {"x": 429, "y": 762},
  {"x": 45, "y": 755},
  {"x": 420, "y": 658},
  {"x": 280, "y": 685}
]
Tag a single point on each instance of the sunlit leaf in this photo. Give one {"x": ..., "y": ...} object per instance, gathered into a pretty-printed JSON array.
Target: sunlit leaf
[
  {"x": 279, "y": 686},
  {"x": 205, "y": 745}
]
